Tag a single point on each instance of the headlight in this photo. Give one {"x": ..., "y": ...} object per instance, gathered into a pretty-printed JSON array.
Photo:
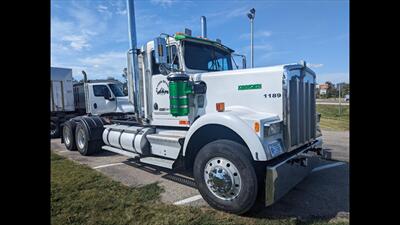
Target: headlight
[{"x": 272, "y": 129}]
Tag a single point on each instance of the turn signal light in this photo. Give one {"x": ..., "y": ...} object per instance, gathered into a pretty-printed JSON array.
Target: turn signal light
[
  {"x": 220, "y": 106},
  {"x": 183, "y": 122},
  {"x": 257, "y": 126}
]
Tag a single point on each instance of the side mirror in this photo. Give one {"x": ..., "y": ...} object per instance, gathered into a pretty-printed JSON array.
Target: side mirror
[
  {"x": 163, "y": 69},
  {"x": 160, "y": 50},
  {"x": 243, "y": 60}
]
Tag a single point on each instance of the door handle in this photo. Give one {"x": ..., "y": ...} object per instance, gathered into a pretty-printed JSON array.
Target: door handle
[{"x": 95, "y": 105}]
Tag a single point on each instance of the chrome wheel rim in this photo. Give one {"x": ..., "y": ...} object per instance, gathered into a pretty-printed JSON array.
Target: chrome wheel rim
[
  {"x": 81, "y": 139},
  {"x": 222, "y": 178},
  {"x": 66, "y": 136}
]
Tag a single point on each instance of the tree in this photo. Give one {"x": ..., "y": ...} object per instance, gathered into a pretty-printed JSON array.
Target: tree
[
  {"x": 345, "y": 89},
  {"x": 331, "y": 92}
]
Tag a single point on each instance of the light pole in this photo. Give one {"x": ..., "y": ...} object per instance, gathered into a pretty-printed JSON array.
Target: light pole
[
  {"x": 340, "y": 101},
  {"x": 251, "y": 16}
]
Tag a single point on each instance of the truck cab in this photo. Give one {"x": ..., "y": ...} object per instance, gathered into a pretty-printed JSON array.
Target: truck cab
[
  {"x": 106, "y": 97},
  {"x": 191, "y": 56}
]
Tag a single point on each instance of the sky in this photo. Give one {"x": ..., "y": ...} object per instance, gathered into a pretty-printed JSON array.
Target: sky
[{"x": 92, "y": 35}]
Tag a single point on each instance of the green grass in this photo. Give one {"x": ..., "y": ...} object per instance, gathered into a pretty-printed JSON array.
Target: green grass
[
  {"x": 330, "y": 119},
  {"x": 81, "y": 195}
]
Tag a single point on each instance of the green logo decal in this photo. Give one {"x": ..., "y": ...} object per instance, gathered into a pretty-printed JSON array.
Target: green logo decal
[{"x": 249, "y": 87}]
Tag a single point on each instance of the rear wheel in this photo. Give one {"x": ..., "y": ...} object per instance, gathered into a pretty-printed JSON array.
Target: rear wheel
[
  {"x": 226, "y": 177},
  {"x": 68, "y": 135},
  {"x": 54, "y": 129},
  {"x": 83, "y": 144}
]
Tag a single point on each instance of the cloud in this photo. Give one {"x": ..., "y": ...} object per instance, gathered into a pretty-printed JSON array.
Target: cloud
[
  {"x": 263, "y": 47},
  {"x": 340, "y": 37},
  {"x": 163, "y": 3},
  {"x": 231, "y": 12},
  {"x": 102, "y": 8},
  {"x": 333, "y": 77},
  {"x": 105, "y": 11},
  {"x": 315, "y": 65},
  {"x": 66, "y": 37},
  {"x": 267, "y": 55},
  {"x": 121, "y": 11},
  {"x": 104, "y": 64},
  {"x": 258, "y": 34},
  {"x": 224, "y": 16},
  {"x": 103, "y": 58},
  {"x": 77, "y": 42}
]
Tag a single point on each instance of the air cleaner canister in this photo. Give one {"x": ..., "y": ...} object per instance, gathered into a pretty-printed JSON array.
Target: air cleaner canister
[{"x": 179, "y": 89}]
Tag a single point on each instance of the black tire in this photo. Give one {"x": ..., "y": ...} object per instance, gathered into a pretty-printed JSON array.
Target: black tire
[
  {"x": 54, "y": 129},
  {"x": 240, "y": 156},
  {"x": 69, "y": 135},
  {"x": 84, "y": 146}
]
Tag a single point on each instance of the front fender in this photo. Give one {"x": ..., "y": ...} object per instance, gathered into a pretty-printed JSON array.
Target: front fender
[{"x": 234, "y": 123}]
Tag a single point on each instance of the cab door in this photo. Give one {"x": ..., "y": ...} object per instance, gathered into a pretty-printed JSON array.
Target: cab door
[
  {"x": 101, "y": 99},
  {"x": 160, "y": 91}
]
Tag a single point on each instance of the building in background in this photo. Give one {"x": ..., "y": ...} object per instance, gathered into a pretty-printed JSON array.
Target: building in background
[{"x": 323, "y": 89}]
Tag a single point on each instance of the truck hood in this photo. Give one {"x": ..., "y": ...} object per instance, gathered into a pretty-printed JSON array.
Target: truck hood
[
  {"x": 123, "y": 104},
  {"x": 258, "y": 89}
]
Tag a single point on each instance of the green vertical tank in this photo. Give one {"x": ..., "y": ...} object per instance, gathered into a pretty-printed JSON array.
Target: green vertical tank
[{"x": 179, "y": 88}]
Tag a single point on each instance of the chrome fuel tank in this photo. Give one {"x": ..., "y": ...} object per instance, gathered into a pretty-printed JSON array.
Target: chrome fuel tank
[{"x": 128, "y": 138}]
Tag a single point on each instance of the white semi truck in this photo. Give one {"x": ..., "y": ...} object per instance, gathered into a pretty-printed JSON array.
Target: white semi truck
[
  {"x": 243, "y": 133},
  {"x": 90, "y": 97}
]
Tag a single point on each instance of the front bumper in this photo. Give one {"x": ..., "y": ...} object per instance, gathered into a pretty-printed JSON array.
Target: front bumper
[{"x": 287, "y": 173}]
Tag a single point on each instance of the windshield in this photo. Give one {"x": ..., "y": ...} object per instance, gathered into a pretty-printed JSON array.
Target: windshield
[
  {"x": 117, "y": 90},
  {"x": 206, "y": 57}
]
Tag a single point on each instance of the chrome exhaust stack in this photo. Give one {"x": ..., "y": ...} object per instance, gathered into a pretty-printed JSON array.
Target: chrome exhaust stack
[
  {"x": 133, "y": 69},
  {"x": 203, "y": 23}
]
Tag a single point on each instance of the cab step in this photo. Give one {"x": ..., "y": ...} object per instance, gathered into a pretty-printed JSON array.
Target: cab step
[
  {"x": 166, "y": 163},
  {"x": 167, "y": 143}
]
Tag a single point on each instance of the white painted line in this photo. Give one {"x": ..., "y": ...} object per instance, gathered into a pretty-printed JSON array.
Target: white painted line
[
  {"x": 63, "y": 151},
  {"x": 187, "y": 200},
  {"x": 327, "y": 166},
  {"x": 107, "y": 165}
]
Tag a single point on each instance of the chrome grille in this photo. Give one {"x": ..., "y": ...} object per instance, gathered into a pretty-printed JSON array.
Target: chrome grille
[{"x": 299, "y": 110}]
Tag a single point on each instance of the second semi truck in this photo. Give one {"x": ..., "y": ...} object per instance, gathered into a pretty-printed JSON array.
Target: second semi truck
[{"x": 90, "y": 97}]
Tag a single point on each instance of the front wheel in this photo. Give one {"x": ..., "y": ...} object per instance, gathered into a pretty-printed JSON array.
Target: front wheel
[{"x": 226, "y": 177}]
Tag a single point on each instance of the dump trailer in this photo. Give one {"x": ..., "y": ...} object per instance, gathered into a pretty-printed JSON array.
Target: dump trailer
[
  {"x": 91, "y": 97},
  {"x": 245, "y": 134}
]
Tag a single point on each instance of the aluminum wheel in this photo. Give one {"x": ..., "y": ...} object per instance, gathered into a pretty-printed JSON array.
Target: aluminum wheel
[
  {"x": 66, "y": 132},
  {"x": 81, "y": 139},
  {"x": 222, "y": 178}
]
